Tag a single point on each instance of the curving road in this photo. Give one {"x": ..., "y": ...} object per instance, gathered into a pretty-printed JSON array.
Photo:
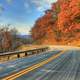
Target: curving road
[
  {"x": 64, "y": 67},
  {"x": 20, "y": 64}
]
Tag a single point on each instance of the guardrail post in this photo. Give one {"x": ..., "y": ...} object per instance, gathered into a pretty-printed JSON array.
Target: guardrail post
[
  {"x": 33, "y": 52},
  {"x": 8, "y": 57},
  {"x": 18, "y": 55},
  {"x": 39, "y": 51},
  {"x": 25, "y": 53},
  {"x": 42, "y": 50}
]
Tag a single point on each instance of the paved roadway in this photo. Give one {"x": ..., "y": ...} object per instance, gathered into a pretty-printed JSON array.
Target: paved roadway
[{"x": 64, "y": 67}]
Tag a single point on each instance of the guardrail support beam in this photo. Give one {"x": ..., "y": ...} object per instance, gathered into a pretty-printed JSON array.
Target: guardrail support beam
[{"x": 18, "y": 54}]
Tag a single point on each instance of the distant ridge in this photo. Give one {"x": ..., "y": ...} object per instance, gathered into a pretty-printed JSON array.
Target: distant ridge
[{"x": 24, "y": 36}]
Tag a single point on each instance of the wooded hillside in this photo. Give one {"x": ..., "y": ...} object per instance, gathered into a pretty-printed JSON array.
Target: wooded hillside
[{"x": 59, "y": 25}]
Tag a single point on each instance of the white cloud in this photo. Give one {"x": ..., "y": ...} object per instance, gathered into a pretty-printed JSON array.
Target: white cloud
[
  {"x": 26, "y": 5},
  {"x": 38, "y": 3},
  {"x": 50, "y": 1},
  {"x": 9, "y": 1},
  {"x": 23, "y": 28},
  {"x": 40, "y": 8},
  {"x": 41, "y": 5}
]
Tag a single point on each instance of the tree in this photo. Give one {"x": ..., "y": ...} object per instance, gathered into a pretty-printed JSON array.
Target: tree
[{"x": 61, "y": 23}]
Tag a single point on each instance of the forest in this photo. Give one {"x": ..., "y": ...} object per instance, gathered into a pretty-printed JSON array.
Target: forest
[{"x": 60, "y": 25}]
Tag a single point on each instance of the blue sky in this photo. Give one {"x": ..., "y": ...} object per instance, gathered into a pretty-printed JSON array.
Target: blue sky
[{"x": 22, "y": 13}]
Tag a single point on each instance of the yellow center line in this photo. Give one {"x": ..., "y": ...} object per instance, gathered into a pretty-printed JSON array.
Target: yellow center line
[{"x": 25, "y": 71}]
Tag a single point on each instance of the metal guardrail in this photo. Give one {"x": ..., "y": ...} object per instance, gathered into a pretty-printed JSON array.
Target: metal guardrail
[
  {"x": 26, "y": 51},
  {"x": 19, "y": 52}
]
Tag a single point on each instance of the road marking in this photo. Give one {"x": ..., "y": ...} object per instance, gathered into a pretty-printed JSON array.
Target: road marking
[{"x": 25, "y": 71}]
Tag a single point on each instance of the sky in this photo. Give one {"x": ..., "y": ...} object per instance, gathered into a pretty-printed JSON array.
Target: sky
[{"x": 22, "y": 14}]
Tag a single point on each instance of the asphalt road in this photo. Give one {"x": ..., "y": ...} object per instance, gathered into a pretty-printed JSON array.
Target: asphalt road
[
  {"x": 22, "y": 63},
  {"x": 65, "y": 67}
]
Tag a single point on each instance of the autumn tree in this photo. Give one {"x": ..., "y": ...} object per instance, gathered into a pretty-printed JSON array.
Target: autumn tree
[
  {"x": 43, "y": 27},
  {"x": 61, "y": 22}
]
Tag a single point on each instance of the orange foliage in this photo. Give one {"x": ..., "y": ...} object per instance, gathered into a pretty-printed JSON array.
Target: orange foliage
[
  {"x": 66, "y": 18},
  {"x": 62, "y": 21}
]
